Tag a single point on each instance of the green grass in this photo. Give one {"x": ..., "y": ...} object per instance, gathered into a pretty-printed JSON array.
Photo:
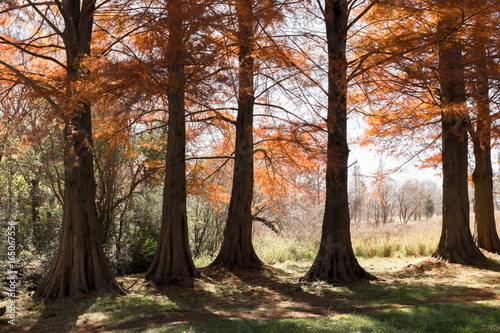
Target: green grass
[
  {"x": 127, "y": 309},
  {"x": 410, "y": 297},
  {"x": 472, "y": 317}
]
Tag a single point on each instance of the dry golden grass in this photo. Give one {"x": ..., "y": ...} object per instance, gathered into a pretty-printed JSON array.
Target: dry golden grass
[{"x": 414, "y": 239}]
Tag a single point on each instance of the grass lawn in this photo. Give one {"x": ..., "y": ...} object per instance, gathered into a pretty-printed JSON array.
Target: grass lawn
[{"x": 413, "y": 295}]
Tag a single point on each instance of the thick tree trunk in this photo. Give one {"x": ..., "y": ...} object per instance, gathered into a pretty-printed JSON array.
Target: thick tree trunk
[
  {"x": 485, "y": 231},
  {"x": 172, "y": 261},
  {"x": 237, "y": 249},
  {"x": 456, "y": 243},
  {"x": 335, "y": 261},
  {"x": 80, "y": 266}
]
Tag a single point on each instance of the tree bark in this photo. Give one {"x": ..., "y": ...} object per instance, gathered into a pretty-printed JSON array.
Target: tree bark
[
  {"x": 80, "y": 266},
  {"x": 335, "y": 261},
  {"x": 237, "y": 248},
  {"x": 106, "y": 194},
  {"x": 38, "y": 239},
  {"x": 173, "y": 261},
  {"x": 485, "y": 231},
  {"x": 456, "y": 244}
]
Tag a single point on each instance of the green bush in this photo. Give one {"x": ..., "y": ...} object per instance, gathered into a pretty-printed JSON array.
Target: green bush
[{"x": 141, "y": 231}]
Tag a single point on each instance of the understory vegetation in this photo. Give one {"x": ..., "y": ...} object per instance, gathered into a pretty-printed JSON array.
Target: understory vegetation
[{"x": 295, "y": 243}]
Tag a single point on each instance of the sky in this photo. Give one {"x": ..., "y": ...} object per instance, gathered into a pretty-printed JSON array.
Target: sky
[{"x": 368, "y": 160}]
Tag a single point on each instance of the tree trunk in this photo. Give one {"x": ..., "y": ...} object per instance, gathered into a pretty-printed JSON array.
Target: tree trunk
[
  {"x": 38, "y": 239},
  {"x": 121, "y": 223},
  {"x": 237, "y": 249},
  {"x": 172, "y": 261},
  {"x": 106, "y": 194},
  {"x": 80, "y": 266},
  {"x": 335, "y": 261},
  {"x": 485, "y": 231},
  {"x": 456, "y": 243}
]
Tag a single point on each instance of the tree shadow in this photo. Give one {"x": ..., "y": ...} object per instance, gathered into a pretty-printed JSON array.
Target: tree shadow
[
  {"x": 210, "y": 294},
  {"x": 364, "y": 295},
  {"x": 425, "y": 318},
  {"x": 488, "y": 264},
  {"x": 262, "y": 295},
  {"x": 61, "y": 315},
  {"x": 142, "y": 311}
]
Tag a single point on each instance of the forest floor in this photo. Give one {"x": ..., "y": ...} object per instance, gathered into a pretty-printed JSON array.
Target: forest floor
[{"x": 412, "y": 295}]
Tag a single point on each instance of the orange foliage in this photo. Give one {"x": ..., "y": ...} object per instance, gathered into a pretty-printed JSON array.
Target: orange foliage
[{"x": 400, "y": 97}]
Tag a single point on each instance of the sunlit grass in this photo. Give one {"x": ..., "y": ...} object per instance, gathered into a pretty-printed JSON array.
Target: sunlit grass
[
  {"x": 274, "y": 249},
  {"x": 392, "y": 240},
  {"x": 415, "y": 239},
  {"x": 121, "y": 310},
  {"x": 472, "y": 317},
  {"x": 410, "y": 297}
]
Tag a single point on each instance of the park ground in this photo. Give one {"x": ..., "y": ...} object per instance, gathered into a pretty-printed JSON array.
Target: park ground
[{"x": 415, "y": 294}]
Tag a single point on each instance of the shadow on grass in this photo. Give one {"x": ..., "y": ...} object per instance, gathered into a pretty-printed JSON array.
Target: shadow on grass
[
  {"x": 248, "y": 299},
  {"x": 469, "y": 317},
  {"x": 61, "y": 315},
  {"x": 138, "y": 312},
  {"x": 323, "y": 298},
  {"x": 215, "y": 292},
  {"x": 489, "y": 265}
]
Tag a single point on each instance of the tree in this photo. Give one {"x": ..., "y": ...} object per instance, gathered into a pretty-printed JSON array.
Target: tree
[
  {"x": 79, "y": 266},
  {"x": 237, "y": 248},
  {"x": 412, "y": 101},
  {"x": 172, "y": 260},
  {"x": 120, "y": 168},
  {"x": 411, "y": 200},
  {"x": 429, "y": 207},
  {"x": 485, "y": 231},
  {"x": 383, "y": 200},
  {"x": 56, "y": 42},
  {"x": 357, "y": 195},
  {"x": 456, "y": 243},
  {"x": 335, "y": 260}
]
